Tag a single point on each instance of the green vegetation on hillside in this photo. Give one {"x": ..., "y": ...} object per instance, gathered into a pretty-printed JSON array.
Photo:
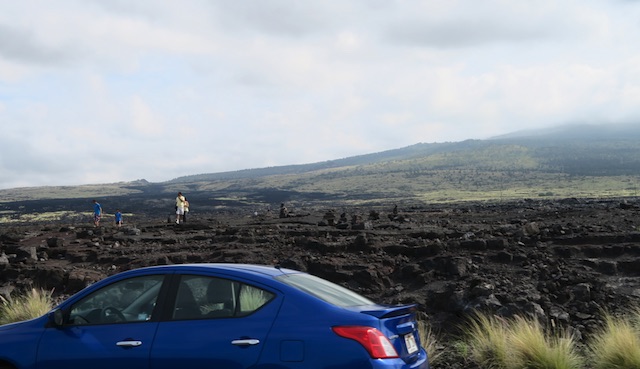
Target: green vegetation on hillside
[
  {"x": 563, "y": 166},
  {"x": 466, "y": 171}
]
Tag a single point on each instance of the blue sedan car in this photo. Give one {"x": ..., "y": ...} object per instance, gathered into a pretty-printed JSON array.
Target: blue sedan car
[{"x": 222, "y": 316}]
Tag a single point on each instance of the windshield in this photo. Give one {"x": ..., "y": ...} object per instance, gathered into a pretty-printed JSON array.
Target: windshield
[{"x": 324, "y": 290}]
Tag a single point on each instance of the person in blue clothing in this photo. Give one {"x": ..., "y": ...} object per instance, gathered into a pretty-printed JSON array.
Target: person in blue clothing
[
  {"x": 97, "y": 213},
  {"x": 118, "y": 218}
]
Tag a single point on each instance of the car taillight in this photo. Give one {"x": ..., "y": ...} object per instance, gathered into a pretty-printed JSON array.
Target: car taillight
[{"x": 370, "y": 338}]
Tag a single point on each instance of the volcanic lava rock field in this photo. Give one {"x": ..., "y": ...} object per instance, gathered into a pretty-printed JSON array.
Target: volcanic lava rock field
[{"x": 562, "y": 261}]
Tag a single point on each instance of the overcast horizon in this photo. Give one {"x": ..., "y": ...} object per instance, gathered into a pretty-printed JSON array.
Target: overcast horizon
[{"x": 102, "y": 92}]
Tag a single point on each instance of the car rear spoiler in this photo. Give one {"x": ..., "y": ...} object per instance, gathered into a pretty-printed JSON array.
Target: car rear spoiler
[{"x": 392, "y": 311}]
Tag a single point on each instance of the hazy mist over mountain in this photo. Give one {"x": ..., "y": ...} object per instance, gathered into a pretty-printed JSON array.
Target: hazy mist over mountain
[{"x": 582, "y": 131}]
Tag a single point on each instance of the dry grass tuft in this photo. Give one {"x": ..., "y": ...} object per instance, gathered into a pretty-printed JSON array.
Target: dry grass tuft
[
  {"x": 31, "y": 305},
  {"x": 532, "y": 348},
  {"x": 616, "y": 345},
  {"x": 519, "y": 343},
  {"x": 487, "y": 341},
  {"x": 429, "y": 342}
]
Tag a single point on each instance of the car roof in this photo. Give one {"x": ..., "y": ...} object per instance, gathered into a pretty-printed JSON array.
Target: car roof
[
  {"x": 256, "y": 269},
  {"x": 264, "y": 273}
]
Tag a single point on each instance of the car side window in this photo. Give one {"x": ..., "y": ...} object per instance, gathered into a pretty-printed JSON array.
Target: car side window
[
  {"x": 129, "y": 300},
  {"x": 201, "y": 297}
]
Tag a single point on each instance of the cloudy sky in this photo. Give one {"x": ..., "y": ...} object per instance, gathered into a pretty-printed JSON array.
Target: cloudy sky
[{"x": 116, "y": 90}]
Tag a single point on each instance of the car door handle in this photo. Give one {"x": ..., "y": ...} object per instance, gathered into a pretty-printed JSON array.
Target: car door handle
[
  {"x": 129, "y": 343},
  {"x": 245, "y": 342}
]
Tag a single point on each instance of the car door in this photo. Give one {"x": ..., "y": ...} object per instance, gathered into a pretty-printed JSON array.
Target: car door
[
  {"x": 214, "y": 323},
  {"x": 112, "y": 327}
]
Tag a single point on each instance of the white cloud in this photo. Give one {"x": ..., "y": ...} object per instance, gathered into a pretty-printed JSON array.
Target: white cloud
[
  {"x": 147, "y": 124},
  {"x": 99, "y": 91}
]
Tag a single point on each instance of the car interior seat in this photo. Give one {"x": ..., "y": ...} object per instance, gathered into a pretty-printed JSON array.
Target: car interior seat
[
  {"x": 186, "y": 305},
  {"x": 220, "y": 297}
]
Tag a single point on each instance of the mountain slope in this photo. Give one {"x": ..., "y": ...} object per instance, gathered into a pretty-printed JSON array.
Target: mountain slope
[
  {"x": 573, "y": 149},
  {"x": 572, "y": 161}
]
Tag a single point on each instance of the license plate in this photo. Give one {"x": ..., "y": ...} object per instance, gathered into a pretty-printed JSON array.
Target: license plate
[{"x": 410, "y": 341}]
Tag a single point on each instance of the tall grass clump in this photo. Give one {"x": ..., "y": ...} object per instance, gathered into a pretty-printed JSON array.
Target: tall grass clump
[
  {"x": 429, "y": 342},
  {"x": 617, "y": 344},
  {"x": 31, "y": 305},
  {"x": 634, "y": 318},
  {"x": 533, "y": 348},
  {"x": 487, "y": 341}
]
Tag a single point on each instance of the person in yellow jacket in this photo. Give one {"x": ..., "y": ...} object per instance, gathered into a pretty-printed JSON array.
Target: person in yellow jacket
[
  {"x": 180, "y": 200},
  {"x": 186, "y": 210}
]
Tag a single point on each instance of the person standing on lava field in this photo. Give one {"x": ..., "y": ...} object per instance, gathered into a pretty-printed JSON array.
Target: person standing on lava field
[
  {"x": 97, "y": 213},
  {"x": 186, "y": 210},
  {"x": 180, "y": 200},
  {"x": 284, "y": 213},
  {"x": 118, "y": 218}
]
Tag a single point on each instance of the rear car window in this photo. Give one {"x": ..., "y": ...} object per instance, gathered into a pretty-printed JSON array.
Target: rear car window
[
  {"x": 324, "y": 290},
  {"x": 202, "y": 297}
]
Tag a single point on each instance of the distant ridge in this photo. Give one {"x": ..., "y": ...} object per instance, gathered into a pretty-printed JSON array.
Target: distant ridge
[
  {"x": 579, "y": 148},
  {"x": 413, "y": 151},
  {"x": 576, "y": 161}
]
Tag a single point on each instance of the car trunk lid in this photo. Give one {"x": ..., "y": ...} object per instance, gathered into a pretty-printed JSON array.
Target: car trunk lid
[{"x": 400, "y": 326}]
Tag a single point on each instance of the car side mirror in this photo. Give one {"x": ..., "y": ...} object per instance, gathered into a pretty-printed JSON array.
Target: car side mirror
[{"x": 56, "y": 318}]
